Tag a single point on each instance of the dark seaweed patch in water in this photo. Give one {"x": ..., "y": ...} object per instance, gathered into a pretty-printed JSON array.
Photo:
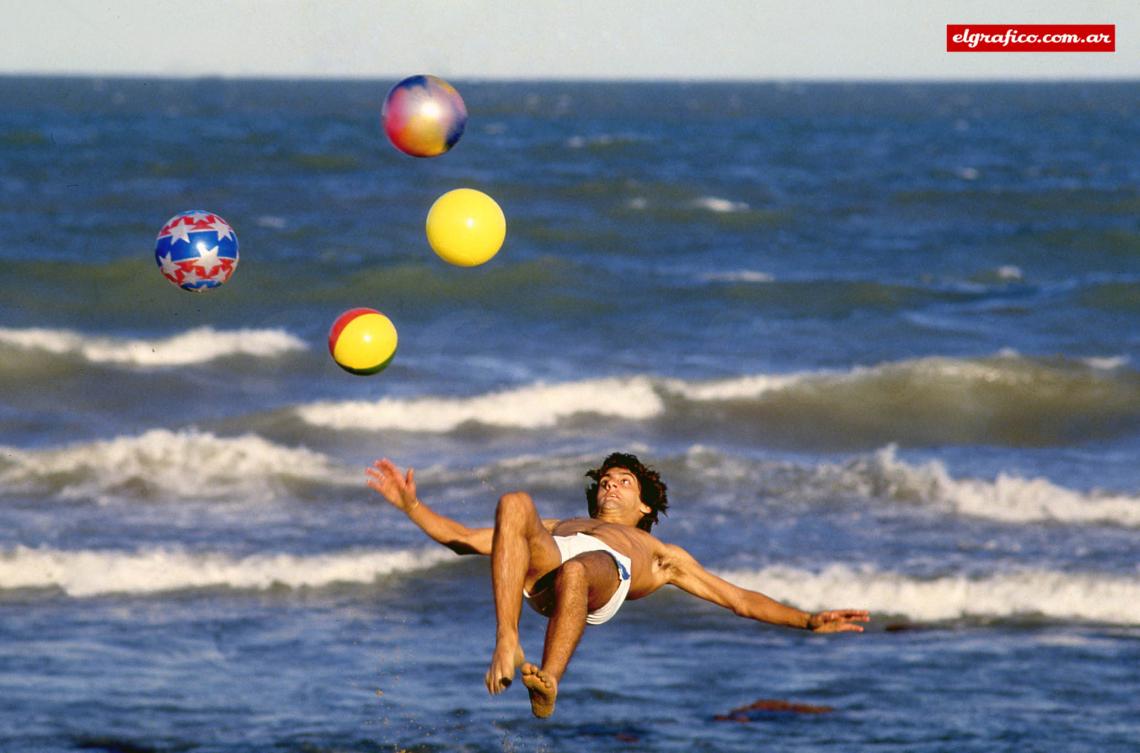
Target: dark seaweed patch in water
[
  {"x": 766, "y": 708},
  {"x": 113, "y": 744}
]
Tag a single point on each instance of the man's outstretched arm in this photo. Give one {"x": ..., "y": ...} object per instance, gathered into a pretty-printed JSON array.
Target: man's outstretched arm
[
  {"x": 689, "y": 575},
  {"x": 400, "y": 491}
]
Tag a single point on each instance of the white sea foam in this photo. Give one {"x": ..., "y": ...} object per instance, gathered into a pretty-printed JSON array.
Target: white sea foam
[
  {"x": 947, "y": 400},
  {"x": 719, "y": 205},
  {"x": 272, "y": 221},
  {"x": 882, "y": 478},
  {"x": 193, "y": 346},
  {"x": 741, "y": 275},
  {"x": 167, "y": 465},
  {"x": 1029, "y": 593},
  {"x": 736, "y": 388},
  {"x": 602, "y": 140},
  {"x": 757, "y": 385},
  {"x": 1106, "y": 363},
  {"x": 531, "y": 407},
  {"x": 1006, "y": 380},
  {"x": 1007, "y": 498},
  {"x": 1053, "y": 595},
  {"x": 91, "y": 572}
]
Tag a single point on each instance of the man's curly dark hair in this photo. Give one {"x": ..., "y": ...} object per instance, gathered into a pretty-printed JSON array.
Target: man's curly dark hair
[{"x": 652, "y": 487}]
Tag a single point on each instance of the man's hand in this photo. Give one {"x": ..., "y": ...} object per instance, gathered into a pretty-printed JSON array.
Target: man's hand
[
  {"x": 398, "y": 489},
  {"x": 838, "y": 621}
]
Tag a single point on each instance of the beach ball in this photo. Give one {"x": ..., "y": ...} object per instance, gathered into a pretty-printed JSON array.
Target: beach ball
[
  {"x": 423, "y": 116},
  {"x": 466, "y": 227},
  {"x": 362, "y": 341},
  {"x": 196, "y": 250}
]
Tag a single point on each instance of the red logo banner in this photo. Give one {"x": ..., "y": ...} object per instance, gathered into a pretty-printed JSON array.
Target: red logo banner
[{"x": 1031, "y": 37}]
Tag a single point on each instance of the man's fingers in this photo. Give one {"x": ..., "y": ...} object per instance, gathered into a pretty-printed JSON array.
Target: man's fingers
[
  {"x": 842, "y": 620},
  {"x": 858, "y": 615},
  {"x": 383, "y": 476},
  {"x": 839, "y": 627},
  {"x": 383, "y": 469},
  {"x": 375, "y": 475},
  {"x": 386, "y": 478}
]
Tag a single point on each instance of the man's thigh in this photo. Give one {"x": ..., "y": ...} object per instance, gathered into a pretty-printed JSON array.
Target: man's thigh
[
  {"x": 601, "y": 575},
  {"x": 601, "y": 579},
  {"x": 544, "y": 556}
]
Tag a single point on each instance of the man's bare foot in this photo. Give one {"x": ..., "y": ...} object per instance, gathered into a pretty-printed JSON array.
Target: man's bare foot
[
  {"x": 503, "y": 665},
  {"x": 543, "y": 690}
]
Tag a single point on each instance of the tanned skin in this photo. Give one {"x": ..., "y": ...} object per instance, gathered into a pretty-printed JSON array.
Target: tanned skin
[{"x": 524, "y": 555}]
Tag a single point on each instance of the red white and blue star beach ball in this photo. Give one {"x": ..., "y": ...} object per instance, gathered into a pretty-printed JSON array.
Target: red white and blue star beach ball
[{"x": 196, "y": 250}]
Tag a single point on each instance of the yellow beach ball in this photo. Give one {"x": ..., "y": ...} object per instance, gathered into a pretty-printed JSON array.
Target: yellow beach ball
[
  {"x": 362, "y": 341},
  {"x": 466, "y": 227}
]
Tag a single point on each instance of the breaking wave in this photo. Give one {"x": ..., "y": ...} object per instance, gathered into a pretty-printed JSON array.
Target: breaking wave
[
  {"x": 194, "y": 346},
  {"x": 82, "y": 573},
  {"x": 1027, "y": 594},
  {"x": 1008, "y": 498},
  {"x": 162, "y": 464},
  {"x": 1005, "y": 400},
  {"x": 1080, "y": 597},
  {"x": 533, "y": 407},
  {"x": 881, "y": 477}
]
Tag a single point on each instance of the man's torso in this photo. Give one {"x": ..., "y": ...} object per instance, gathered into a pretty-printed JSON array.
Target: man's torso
[{"x": 644, "y": 550}]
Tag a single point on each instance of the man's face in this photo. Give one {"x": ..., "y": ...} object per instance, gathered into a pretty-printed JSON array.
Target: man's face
[{"x": 619, "y": 497}]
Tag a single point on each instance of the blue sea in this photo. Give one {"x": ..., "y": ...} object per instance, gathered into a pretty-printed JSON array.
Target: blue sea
[{"x": 882, "y": 342}]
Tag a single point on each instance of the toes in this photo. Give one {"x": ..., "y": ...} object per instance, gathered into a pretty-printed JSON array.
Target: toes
[{"x": 496, "y": 685}]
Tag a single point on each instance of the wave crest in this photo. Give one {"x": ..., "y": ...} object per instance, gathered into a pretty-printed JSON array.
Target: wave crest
[
  {"x": 194, "y": 346},
  {"x": 533, "y": 407},
  {"x": 1081, "y": 597},
  {"x": 86, "y": 573},
  {"x": 1007, "y": 399},
  {"x": 1007, "y": 498},
  {"x": 162, "y": 464}
]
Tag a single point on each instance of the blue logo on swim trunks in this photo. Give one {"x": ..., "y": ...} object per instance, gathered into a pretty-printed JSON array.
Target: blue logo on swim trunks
[{"x": 622, "y": 570}]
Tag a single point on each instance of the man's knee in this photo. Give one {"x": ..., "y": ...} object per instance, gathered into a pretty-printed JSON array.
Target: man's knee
[
  {"x": 573, "y": 574},
  {"x": 590, "y": 573},
  {"x": 515, "y": 506},
  {"x": 588, "y": 568},
  {"x": 571, "y": 579}
]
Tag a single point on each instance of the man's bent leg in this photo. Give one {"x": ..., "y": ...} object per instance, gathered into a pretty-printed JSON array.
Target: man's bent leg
[
  {"x": 583, "y": 583},
  {"x": 520, "y": 546}
]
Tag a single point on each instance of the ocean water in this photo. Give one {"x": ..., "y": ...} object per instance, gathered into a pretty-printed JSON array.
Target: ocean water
[{"x": 881, "y": 340}]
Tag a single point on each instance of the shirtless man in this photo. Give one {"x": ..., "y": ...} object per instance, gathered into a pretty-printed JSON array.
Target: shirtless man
[{"x": 580, "y": 570}]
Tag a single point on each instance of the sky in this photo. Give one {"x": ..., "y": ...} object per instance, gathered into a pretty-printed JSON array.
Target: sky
[{"x": 529, "y": 39}]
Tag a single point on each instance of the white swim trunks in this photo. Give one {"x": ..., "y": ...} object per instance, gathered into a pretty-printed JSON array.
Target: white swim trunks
[{"x": 580, "y": 543}]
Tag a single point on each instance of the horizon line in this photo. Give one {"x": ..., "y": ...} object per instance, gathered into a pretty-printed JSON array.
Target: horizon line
[{"x": 775, "y": 80}]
